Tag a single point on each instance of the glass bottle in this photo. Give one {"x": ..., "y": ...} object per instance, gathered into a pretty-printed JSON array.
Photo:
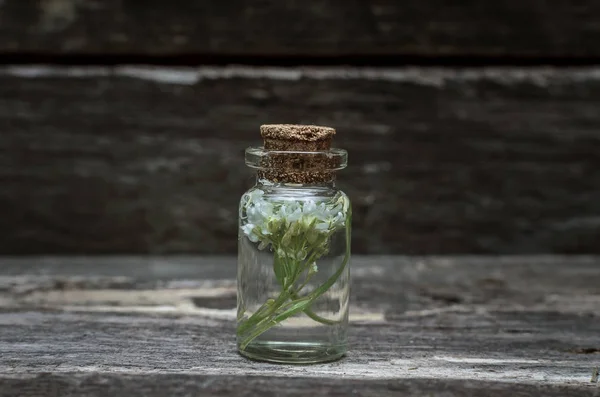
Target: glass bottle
[{"x": 294, "y": 249}]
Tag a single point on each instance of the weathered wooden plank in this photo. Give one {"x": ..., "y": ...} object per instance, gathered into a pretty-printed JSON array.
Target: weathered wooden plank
[
  {"x": 450, "y": 326},
  {"x": 560, "y": 28},
  {"x": 101, "y": 160},
  {"x": 154, "y": 385}
]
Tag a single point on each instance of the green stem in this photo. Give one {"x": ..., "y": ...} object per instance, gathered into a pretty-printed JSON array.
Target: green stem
[
  {"x": 298, "y": 305},
  {"x": 314, "y": 316},
  {"x": 263, "y": 322},
  {"x": 294, "y": 295},
  {"x": 308, "y": 311},
  {"x": 280, "y": 268},
  {"x": 258, "y": 317}
]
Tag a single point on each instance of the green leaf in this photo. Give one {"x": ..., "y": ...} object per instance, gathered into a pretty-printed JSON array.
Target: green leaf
[
  {"x": 297, "y": 306},
  {"x": 278, "y": 268}
]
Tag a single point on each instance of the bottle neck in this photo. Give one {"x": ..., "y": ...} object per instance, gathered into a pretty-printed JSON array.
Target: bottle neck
[{"x": 293, "y": 168}]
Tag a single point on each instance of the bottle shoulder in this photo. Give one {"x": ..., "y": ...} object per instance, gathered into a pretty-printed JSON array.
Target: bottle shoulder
[{"x": 299, "y": 193}]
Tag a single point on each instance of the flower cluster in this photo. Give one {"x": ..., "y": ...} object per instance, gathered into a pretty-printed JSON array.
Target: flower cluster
[{"x": 288, "y": 225}]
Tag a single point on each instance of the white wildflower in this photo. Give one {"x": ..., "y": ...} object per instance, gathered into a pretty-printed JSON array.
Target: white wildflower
[
  {"x": 282, "y": 224},
  {"x": 338, "y": 220},
  {"x": 248, "y": 230},
  {"x": 322, "y": 226},
  {"x": 256, "y": 195},
  {"x": 294, "y": 216},
  {"x": 309, "y": 207}
]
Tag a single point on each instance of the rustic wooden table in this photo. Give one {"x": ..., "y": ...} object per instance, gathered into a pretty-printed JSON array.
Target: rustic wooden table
[{"x": 423, "y": 326}]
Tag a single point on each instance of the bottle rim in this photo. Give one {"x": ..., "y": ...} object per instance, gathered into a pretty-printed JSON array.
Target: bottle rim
[{"x": 259, "y": 158}]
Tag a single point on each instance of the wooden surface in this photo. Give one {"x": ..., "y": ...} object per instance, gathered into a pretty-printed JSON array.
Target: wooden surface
[
  {"x": 150, "y": 160},
  {"x": 435, "y": 326},
  {"x": 518, "y": 28}
]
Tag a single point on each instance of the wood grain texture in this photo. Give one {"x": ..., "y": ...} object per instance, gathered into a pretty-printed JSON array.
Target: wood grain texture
[
  {"x": 557, "y": 28},
  {"x": 137, "y": 160},
  {"x": 437, "y": 326}
]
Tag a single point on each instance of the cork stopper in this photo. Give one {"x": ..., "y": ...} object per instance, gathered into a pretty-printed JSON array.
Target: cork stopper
[
  {"x": 308, "y": 161},
  {"x": 293, "y": 137}
]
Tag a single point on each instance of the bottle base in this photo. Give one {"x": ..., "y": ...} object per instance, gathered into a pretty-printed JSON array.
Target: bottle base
[{"x": 293, "y": 353}]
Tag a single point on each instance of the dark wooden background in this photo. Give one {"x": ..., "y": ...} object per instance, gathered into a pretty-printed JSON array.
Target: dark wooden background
[{"x": 472, "y": 128}]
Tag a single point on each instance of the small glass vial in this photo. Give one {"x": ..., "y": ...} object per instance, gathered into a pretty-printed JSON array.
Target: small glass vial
[{"x": 294, "y": 249}]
